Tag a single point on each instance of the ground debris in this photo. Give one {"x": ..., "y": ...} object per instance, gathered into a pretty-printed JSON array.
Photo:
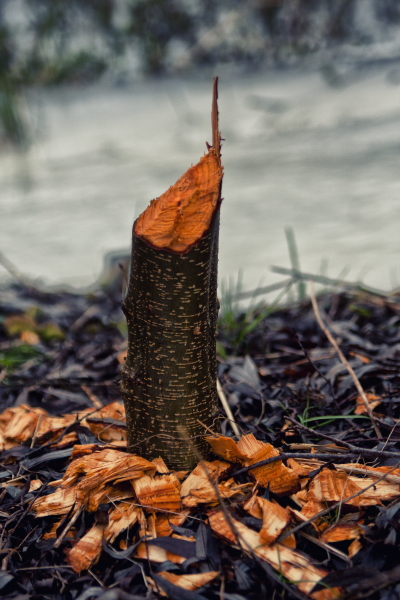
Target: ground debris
[{"x": 79, "y": 512}]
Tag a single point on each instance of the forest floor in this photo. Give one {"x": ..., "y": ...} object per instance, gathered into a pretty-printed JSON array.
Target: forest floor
[{"x": 322, "y": 520}]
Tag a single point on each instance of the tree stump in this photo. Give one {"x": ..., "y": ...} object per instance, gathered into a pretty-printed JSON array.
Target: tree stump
[{"x": 171, "y": 306}]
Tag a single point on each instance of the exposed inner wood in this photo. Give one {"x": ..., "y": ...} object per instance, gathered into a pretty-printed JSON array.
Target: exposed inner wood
[
  {"x": 182, "y": 215},
  {"x": 179, "y": 218}
]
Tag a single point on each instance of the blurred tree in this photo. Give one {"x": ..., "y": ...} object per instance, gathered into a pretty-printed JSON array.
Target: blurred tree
[
  {"x": 156, "y": 23},
  {"x": 11, "y": 122}
]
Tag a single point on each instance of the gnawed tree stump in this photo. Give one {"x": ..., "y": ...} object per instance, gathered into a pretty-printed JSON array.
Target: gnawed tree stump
[{"x": 169, "y": 378}]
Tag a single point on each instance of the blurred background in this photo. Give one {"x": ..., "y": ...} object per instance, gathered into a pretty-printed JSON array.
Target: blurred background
[{"x": 105, "y": 103}]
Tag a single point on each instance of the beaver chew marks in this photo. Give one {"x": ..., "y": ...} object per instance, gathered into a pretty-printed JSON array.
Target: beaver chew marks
[{"x": 179, "y": 218}]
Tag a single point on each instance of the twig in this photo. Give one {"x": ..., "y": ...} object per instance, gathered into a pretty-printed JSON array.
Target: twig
[
  {"x": 327, "y": 381},
  {"x": 68, "y": 526},
  {"x": 227, "y": 409},
  {"x": 263, "y": 290},
  {"x": 333, "y": 282},
  {"x": 351, "y": 447},
  {"x": 319, "y": 434},
  {"x": 285, "y": 455},
  {"x": 324, "y": 512},
  {"x": 36, "y": 432},
  {"x": 343, "y": 359}
]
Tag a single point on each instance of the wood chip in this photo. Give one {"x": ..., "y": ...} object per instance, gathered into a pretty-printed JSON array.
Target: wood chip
[
  {"x": 190, "y": 582},
  {"x": 373, "y": 402},
  {"x": 292, "y": 564},
  {"x": 162, "y": 492},
  {"x": 281, "y": 479},
  {"x": 335, "y": 486},
  {"x": 163, "y": 523},
  {"x": 88, "y": 549},
  {"x": 157, "y": 554},
  {"x": 122, "y": 517}
]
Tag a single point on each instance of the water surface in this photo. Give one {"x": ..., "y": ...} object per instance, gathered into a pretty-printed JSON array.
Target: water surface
[{"x": 297, "y": 152}]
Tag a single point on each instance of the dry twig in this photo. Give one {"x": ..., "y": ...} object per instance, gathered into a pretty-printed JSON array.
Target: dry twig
[
  {"x": 227, "y": 409},
  {"x": 343, "y": 359},
  {"x": 324, "y": 512}
]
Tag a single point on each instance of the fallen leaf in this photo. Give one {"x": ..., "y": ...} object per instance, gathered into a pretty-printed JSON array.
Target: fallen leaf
[{"x": 373, "y": 402}]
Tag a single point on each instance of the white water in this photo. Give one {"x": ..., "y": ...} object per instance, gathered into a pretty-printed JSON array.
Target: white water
[{"x": 297, "y": 152}]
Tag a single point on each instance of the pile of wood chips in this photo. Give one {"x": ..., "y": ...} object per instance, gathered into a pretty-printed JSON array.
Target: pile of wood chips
[{"x": 146, "y": 493}]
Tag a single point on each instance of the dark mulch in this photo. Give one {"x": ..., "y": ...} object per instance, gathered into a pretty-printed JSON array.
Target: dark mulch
[{"x": 283, "y": 367}]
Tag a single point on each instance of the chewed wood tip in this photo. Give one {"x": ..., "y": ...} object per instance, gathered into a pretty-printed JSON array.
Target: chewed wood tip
[{"x": 215, "y": 121}]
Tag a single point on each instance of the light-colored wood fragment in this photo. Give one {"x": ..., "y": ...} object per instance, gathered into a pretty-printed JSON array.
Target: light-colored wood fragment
[
  {"x": 88, "y": 549},
  {"x": 160, "y": 465},
  {"x": 93, "y": 479},
  {"x": 199, "y": 487},
  {"x": 70, "y": 439},
  {"x": 281, "y": 479},
  {"x": 253, "y": 507},
  {"x": 101, "y": 471},
  {"x": 59, "y": 503},
  {"x": 162, "y": 492},
  {"x": 312, "y": 508},
  {"x": 20, "y": 423},
  {"x": 35, "y": 484},
  {"x": 182, "y": 215},
  {"x": 341, "y": 532},
  {"x": 208, "y": 493},
  {"x": 292, "y": 564},
  {"x": 190, "y": 582},
  {"x": 122, "y": 517},
  {"x": 275, "y": 520}
]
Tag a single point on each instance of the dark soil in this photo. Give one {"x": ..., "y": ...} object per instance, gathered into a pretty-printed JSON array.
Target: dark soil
[{"x": 284, "y": 367}]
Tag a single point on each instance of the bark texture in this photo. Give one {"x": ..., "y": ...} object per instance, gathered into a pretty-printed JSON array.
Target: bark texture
[{"x": 169, "y": 379}]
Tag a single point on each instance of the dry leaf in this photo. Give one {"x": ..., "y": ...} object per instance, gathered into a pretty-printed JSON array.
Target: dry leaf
[
  {"x": 373, "y": 402},
  {"x": 249, "y": 451}
]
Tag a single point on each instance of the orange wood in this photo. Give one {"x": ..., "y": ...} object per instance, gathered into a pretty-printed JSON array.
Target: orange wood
[{"x": 179, "y": 218}]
